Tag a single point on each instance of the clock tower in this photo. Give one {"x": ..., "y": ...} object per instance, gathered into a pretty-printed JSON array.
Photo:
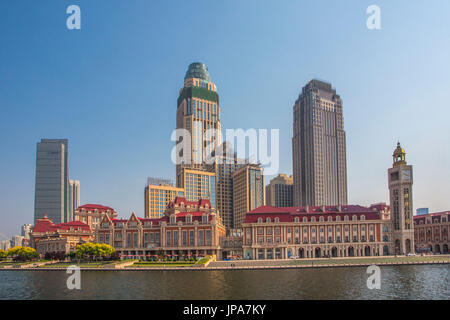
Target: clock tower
[{"x": 401, "y": 201}]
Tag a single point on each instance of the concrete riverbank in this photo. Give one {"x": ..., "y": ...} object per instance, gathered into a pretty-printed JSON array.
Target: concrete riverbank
[{"x": 250, "y": 264}]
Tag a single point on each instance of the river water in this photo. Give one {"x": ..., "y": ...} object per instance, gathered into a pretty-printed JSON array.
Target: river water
[{"x": 397, "y": 282}]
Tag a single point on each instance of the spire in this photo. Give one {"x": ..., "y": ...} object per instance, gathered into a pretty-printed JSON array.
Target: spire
[{"x": 399, "y": 156}]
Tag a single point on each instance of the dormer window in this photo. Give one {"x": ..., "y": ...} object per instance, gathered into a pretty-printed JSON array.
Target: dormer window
[
  {"x": 305, "y": 219},
  {"x": 354, "y": 218},
  {"x": 338, "y": 218},
  {"x": 268, "y": 220},
  {"x": 259, "y": 220},
  {"x": 321, "y": 219},
  {"x": 363, "y": 217},
  {"x": 329, "y": 219},
  {"x": 313, "y": 219},
  {"x": 277, "y": 220},
  {"x": 188, "y": 218},
  {"x": 346, "y": 218},
  {"x": 172, "y": 219},
  {"x": 296, "y": 219}
]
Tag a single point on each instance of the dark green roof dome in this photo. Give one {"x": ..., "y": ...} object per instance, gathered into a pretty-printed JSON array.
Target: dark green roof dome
[{"x": 197, "y": 70}]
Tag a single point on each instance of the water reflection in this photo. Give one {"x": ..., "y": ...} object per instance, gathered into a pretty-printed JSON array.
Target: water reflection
[{"x": 397, "y": 282}]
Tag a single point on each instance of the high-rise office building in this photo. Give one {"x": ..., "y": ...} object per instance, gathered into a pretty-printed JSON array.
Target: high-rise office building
[
  {"x": 319, "y": 147},
  {"x": 74, "y": 197},
  {"x": 5, "y": 245},
  {"x": 401, "y": 202},
  {"x": 198, "y": 110},
  {"x": 158, "y": 193},
  {"x": 248, "y": 192},
  {"x": 197, "y": 185},
  {"x": 279, "y": 192},
  {"x": 224, "y": 166},
  {"x": 52, "y": 180}
]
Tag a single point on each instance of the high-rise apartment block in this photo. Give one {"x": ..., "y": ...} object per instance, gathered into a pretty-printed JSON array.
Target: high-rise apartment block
[
  {"x": 74, "y": 197},
  {"x": 401, "y": 200},
  {"x": 157, "y": 196},
  {"x": 17, "y": 241},
  {"x": 319, "y": 147},
  {"x": 52, "y": 180},
  {"x": 279, "y": 192},
  {"x": 248, "y": 192}
]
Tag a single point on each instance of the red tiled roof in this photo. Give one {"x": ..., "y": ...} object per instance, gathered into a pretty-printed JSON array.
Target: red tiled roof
[
  {"x": 287, "y": 214},
  {"x": 46, "y": 225},
  {"x": 434, "y": 214},
  {"x": 179, "y": 200},
  {"x": 91, "y": 207}
]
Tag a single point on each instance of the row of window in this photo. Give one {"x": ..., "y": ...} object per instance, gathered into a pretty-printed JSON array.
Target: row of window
[{"x": 313, "y": 219}]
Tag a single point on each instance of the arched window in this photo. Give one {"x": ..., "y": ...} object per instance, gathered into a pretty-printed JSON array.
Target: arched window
[
  {"x": 277, "y": 220},
  {"x": 305, "y": 219},
  {"x": 338, "y": 218},
  {"x": 345, "y": 218},
  {"x": 329, "y": 219},
  {"x": 268, "y": 220},
  {"x": 296, "y": 219},
  {"x": 363, "y": 217},
  {"x": 321, "y": 219},
  {"x": 259, "y": 220},
  {"x": 313, "y": 219},
  {"x": 354, "y": 218}
]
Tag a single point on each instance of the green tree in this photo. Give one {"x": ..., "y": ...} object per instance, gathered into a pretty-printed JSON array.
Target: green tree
[
  {"x": 3, "y": 254},
  {"x": 23, "y": 253},
  {"x": 94, "y": 251}
]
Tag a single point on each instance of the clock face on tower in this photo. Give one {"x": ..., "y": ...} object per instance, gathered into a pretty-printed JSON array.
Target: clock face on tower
[{"x": 406, "y": 174}]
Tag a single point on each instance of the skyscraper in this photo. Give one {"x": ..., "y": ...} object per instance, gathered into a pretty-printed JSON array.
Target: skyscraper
[
  {"x": 279, "y": 192},
  {"x": 52, "y": 180},
  {"x": 319, "y": 147},
  {"x": 401, "y": 201},
  {"x": 248, "y": 192},
  {"x": 74, "y": 197},
  {"x": 225, "y": 164},
  {"x": 197, "y": 111}
]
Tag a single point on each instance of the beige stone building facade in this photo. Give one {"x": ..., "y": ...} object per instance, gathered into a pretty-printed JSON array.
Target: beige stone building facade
[
  {"x": 187, "y": 229},
  {"x": 432, "y": 232},
  {"x": 317, "y": 231}
]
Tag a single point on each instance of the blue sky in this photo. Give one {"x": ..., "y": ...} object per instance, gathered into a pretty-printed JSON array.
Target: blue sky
[{"x": 111, "y": 88}]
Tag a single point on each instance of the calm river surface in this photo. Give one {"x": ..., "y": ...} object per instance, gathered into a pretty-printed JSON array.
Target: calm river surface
[{"x": 397, "y": 282}]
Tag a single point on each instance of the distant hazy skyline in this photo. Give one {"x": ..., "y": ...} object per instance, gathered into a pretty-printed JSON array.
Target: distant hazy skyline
[{"x": 111, "y": 88}]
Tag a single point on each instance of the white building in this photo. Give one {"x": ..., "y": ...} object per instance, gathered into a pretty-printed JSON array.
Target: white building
[
  {"x": 17, "y": 241},
  {"x": 5, "y": 245}
]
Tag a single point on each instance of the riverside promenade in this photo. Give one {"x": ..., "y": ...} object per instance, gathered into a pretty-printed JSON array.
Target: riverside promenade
[{"x": 135, "y": 265}]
